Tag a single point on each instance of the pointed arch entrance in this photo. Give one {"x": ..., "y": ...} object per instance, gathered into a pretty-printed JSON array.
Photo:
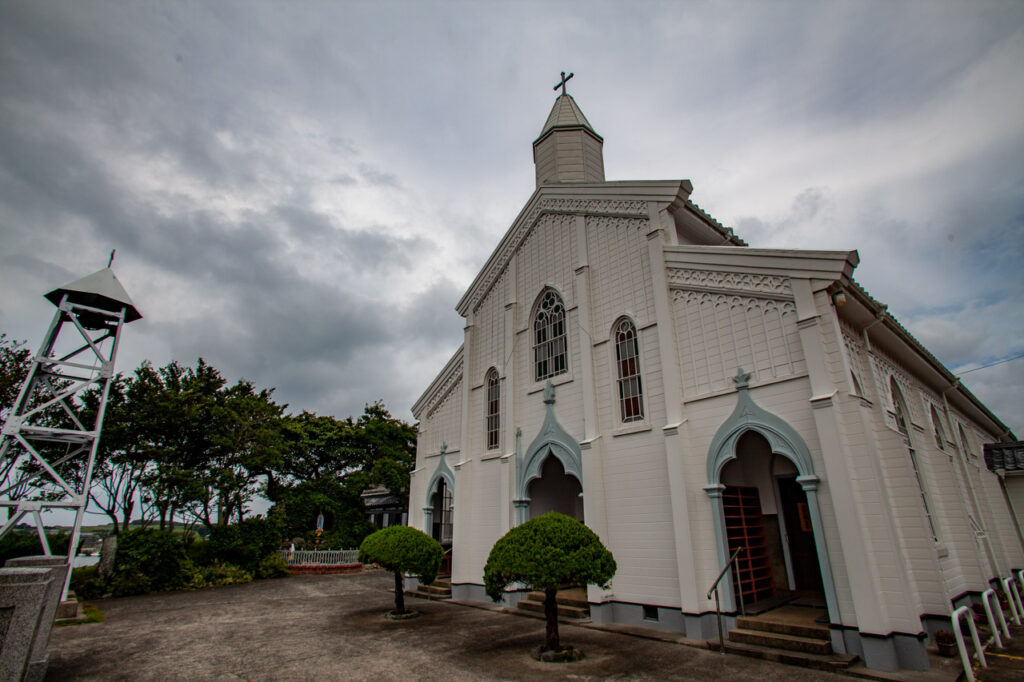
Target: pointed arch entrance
[
  {"x": 550, "y": 473},
  {"x": 438, "y": 512},
  {"x": 763, "y": 491},
  {"x": 555, "y": 490}
]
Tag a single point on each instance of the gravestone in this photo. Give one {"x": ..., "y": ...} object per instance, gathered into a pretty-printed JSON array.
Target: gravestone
[
  {"x": 22, "y": 602},
  {"x": 57, "y": 566}
]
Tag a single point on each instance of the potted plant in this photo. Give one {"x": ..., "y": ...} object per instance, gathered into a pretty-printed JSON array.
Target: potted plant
[{"x": 946, "y": 642}]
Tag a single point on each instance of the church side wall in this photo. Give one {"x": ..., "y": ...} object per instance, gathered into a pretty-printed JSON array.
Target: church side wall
[
  {"x": 441, "y": 425},
  {"x": 959, "y": 563}
]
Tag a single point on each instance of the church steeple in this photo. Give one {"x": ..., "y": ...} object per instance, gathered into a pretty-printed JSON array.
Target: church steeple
[{"x": 568, "y": 149}]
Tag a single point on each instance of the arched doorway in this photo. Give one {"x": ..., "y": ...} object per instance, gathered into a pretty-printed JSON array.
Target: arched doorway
[
  {"x": 759, "y": 450},
  {"x": 441, "y": 522},
  {"x": 555, "y": 490},
  {"x": 767, "y": 515}
]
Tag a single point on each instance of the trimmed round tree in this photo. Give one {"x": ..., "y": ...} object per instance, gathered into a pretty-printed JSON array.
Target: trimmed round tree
[
  {"x": 547, "y": 553},
  {"x": 402, "y": 549}
]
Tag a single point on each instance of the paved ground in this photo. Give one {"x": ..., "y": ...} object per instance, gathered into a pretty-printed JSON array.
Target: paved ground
[{"x": 333, "y": 628}]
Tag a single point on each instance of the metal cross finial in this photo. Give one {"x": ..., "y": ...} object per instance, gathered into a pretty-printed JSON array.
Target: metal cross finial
[
  {"x": 565, "y": 79},
  {"x": 111, "y": 261}
]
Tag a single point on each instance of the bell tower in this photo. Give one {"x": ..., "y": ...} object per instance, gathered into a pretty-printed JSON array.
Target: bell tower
[{"x": 568, "y": 149}]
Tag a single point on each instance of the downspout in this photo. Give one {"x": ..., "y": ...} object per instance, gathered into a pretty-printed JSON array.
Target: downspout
[
  {"x": 879, "y": 318},
  {"x": 967, "y": 477}
]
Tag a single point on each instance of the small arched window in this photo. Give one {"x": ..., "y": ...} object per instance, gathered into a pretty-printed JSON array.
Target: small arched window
[
  {"x": 493, "y": 410},
  {"x": 900, "y": 407},
  {"x": 940, "y": 435},
  {"x": 550, "y": 348},
  {"x": 965, "y": 444},
  {"x": 627, "y": 363}
]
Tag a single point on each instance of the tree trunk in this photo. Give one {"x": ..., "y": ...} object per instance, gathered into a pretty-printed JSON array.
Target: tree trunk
[
  {"x": 399, "y": 593},
  {"x": 551, "y": 642}
]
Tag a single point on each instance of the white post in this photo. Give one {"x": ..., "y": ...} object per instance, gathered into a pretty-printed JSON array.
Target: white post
[
  {"x": 964, "y": 658},
  {"x": 988, "y": 598},
  {"x": 1011, "y": 596}
]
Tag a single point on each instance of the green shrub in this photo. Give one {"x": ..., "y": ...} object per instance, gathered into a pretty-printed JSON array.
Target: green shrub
[
  {"x": 86, "y": 583},
  {"x": 190, "y": 576},
  {"x": 244, "y": 544},
  {"x": 130, "y": 583},
  {"x": 272, "y": 566},
  {"x": 225, "y": 574},
  {"x": 547, "y": 553},
  {"x": 157, "y": 555}
]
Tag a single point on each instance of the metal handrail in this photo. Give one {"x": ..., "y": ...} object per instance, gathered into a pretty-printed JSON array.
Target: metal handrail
[{"x": 714, "y": 589}]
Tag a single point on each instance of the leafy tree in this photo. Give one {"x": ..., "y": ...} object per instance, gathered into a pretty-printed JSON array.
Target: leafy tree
[
  {"x": 124, "y": 455},
  {"x": 345, "y": 522},
  {"x": 14, "y": 364},
  {"x": 547, "y": 553},
  {"x": 314, "y": 448},
  {"x": 327, "y": 463},
  {"x": 403, "y": 549},
  {"x": 388, "y": 447}
]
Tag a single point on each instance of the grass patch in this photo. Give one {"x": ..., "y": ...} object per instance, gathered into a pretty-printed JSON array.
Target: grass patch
[{"x": 91, "y": 615}]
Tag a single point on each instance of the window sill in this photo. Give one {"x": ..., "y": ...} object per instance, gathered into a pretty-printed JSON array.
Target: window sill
[
  {"x": 557, "y": 380},
  {"x": 628, "y": 429}
]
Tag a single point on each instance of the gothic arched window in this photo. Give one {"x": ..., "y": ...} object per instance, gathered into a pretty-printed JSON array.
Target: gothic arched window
[
  {"x": 550, "y": 348},
  {"x": 493, "y": 410},
  {"x": 900, "y": 407},
  {"x": 627, "y": 364},
  {"x": 940, "y": 435}
]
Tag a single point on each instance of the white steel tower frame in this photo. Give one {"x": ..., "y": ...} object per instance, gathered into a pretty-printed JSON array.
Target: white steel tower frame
[{"x": 47, "y": 453}]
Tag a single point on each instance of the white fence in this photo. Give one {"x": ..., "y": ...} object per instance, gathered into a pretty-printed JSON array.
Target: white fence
[{"x": 320, "y": 557}]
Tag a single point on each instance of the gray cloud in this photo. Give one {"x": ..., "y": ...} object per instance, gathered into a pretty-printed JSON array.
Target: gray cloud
[{"x": 301, "y": 195}]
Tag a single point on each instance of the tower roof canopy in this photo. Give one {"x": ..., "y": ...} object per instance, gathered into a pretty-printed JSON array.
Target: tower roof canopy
[
  {"x": 566, "y": 114},
  {"x": 100, "y": 290}
]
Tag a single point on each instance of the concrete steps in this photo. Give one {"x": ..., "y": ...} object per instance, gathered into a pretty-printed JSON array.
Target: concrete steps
[
  {"x": 775, "y": 640},
  {"x": 827, "y": 663},
  {"x": 437, "y": 590},
  {"x": 571, "y": 604},
  {"x": 790, "y": 636}
]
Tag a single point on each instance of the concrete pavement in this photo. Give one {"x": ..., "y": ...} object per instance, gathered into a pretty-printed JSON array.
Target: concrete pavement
[{"x": 333, "y": 628}]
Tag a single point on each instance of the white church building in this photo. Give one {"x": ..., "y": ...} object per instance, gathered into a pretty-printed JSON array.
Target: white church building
[{"x": 629, "y": 361}]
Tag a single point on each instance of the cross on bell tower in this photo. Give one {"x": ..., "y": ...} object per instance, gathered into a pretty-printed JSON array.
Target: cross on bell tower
[
  {"x": 568, "y": 149},
  {"x": 563, "y": 82}
]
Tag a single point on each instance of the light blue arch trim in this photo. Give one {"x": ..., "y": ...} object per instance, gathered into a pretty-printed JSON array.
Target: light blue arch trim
[
  {"x": 749, "y": 416},
  {"x": 554, "y": 439},
  {"x": 440, "y": 471}
]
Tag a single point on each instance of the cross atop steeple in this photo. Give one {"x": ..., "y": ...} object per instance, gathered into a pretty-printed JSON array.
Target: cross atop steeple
[{"x": 563, "y": 82}]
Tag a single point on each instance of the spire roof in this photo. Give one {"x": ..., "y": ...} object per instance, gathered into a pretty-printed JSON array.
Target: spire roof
[
  {"x": 100, "y": 290},
  {"x": 566, "y": 114}
]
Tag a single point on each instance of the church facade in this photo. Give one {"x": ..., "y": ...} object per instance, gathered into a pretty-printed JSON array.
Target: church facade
[{"x": 629, "y": 361}]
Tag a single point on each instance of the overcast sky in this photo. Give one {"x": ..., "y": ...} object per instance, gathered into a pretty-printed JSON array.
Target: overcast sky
[{"x": 301, "y": 192}]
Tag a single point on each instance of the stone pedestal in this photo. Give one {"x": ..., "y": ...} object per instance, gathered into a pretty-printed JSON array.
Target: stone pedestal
[
  {"x": 57, "y": 568},
  {"x": 108, "y": 553},
  {"x": 23, "y": 599}
]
